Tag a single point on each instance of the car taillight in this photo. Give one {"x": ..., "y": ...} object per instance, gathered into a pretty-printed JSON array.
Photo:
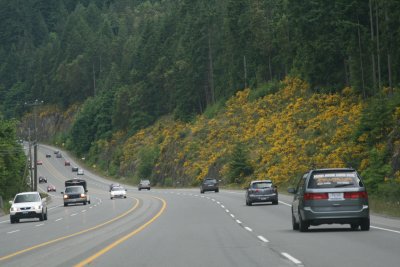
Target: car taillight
[
  {"x": 315, "y": 196},
  {"x": 355, "y": 195}
]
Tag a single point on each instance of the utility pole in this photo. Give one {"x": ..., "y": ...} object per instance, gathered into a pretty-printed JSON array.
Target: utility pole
[
  {"x": 34, "y": 163},
  {"x": 30, "y": 159}
]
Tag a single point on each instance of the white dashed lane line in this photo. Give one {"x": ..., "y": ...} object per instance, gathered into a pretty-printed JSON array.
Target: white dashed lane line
[
  {"x": 262, "y": 239},
  {"x": 74, "y": 214},
  {"x": 39, "y": 225},
  {"x": 291, "y": 258},
  {"x": 248, "y": 229},
  {"x": 59, "y": 219},
  {"x": 239, "y": 222},
  {"x": 233, "y": 216},
  {"x": 12, "y": 232}
]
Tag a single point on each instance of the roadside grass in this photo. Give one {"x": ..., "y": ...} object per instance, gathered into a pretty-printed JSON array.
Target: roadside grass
[{"x": 384, "y": 207}]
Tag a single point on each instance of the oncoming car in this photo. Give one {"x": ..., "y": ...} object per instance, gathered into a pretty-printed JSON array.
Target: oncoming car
[
  {"x": 51, "y": 187},
  {"x": 117, "y": 192},
  {"x": 327, "y": 196},
  {"x": 261, "y": 191},
  {"x": 75, "y": 194},
  {"x": 144, "y": 184},
  {"x": 42, "y": 180},
  {"x": 28, "y": 205}
]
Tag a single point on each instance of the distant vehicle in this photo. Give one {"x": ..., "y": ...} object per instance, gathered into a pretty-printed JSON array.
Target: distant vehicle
[
  {"x": 39, "y": 162},
  {"x": 28, "y": 205},
  {"x": 75, "y": 192},
  {"x": 74, "y": 168},
  {"x": 51, "y": 188},
  {"x": 144, "y": 184},
  {"x": 117, "y": 192},
  {"x": 67, "y": 163},
  {"x": 113, "y": 185},
  {"x": 261, "y": 191},
  {"x": 48, "y": 155},
  {"x": 209, "y": 184},
  {"x": 80, "y": 172},
  {"x": 59, "y": 155},
  {"x": 327, "y": 196},
  {"x": 42, "y": 180},
  {"x": 56, "y": 151}
]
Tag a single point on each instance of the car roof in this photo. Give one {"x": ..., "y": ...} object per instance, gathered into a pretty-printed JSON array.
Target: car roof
[
  {"x": 261, "y": 181},
  {"x": 333, "y": 169}
]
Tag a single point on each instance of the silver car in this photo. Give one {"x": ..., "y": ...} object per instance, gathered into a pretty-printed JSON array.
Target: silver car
[
  {"x": 327, "y": 196},
  {"x": 261, "y": 191},
  {"x": 28, "y": 205}
]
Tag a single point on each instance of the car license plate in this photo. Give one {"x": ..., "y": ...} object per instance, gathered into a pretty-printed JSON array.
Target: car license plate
[{"x": 336, "y": 196}]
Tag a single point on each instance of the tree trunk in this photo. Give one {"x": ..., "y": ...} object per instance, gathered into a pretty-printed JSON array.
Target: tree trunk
[
  {"x": 361, "y": 60},
  {"x": 378, "y": 44},
  {"x": 210, "y": 70},
  {"x": 372, "y": 50}
]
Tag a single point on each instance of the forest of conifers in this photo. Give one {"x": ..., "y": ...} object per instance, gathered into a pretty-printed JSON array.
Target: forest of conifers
[{"x": 127, "y": 64}]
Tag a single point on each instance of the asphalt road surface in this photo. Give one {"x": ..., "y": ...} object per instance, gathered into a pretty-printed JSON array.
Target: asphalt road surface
[{"x": 181, "y": 227}]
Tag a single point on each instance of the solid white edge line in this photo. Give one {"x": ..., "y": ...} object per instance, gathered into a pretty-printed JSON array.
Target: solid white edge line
[
  {"x": 284, "y": 203},
  {"x": 385, "y": 229},
  {"x": 248, "y": 229},
  {"x": 262, "y": 239},
  {"x": 291, "y": 258}
]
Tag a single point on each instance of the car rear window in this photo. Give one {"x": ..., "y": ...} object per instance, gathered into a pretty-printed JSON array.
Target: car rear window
[
  {"x": 334, "y": 179},
  {"x": 261, "y": 185},
  {"x": 210, "y": 181}
]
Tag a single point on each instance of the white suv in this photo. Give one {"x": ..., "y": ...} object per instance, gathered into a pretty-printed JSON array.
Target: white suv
[{"x": 28, "y": 205}]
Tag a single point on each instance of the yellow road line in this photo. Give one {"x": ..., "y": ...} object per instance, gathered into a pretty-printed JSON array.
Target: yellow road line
[
  {"x": 72, "y": 235},
  {"x": 123, "y": 239}
]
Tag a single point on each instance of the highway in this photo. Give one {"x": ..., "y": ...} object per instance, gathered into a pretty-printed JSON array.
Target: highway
[{"x": 181, "y": 227}]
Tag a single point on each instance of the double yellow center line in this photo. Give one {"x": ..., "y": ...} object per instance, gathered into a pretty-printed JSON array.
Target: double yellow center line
[{"x": 103, "y": 251}]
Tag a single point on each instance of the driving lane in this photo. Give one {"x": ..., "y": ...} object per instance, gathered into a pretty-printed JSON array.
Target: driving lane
[{"x": 181, "y": 227}]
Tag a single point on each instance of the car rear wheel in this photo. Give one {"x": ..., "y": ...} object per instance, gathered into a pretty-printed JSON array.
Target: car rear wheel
[
  {"x": 365, "y": 224},
  {"x": 41, "y": 217},
  {"x": 295, "y": 225},
  {"x": 303, "y": 225},
  {"x": 354, "y": 226},
  {"x": 216, "y": 190},
  {"x": 139, "y": 189},
  {"x": 202, "y": 191},
  {"x": 84, "y": 203},
  {"x": 275, "y": 202},
  {"x": 111, "y": 197},
  {"x": 45, "y": 216},
  {"x": 65, "y": 204}
]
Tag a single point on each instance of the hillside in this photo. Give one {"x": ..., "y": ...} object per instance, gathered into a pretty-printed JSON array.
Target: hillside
[{"x": 278, "y": 136}]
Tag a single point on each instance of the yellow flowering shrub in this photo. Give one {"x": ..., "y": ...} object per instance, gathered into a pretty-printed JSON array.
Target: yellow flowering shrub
[{"x": 286, "y": 133}]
